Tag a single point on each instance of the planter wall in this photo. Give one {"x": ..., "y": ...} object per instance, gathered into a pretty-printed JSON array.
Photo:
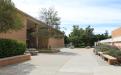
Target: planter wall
[
  {"x": 110, "y": 59},
  {"x": 49, "y": 51},
  {"x": 14, "y": 60}
]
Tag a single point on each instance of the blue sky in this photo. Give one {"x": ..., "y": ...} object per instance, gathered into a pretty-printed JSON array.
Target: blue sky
[{"x": 100, "y": 14}]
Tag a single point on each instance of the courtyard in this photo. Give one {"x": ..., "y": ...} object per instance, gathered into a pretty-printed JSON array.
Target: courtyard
[{"x": 78, "y": 61}]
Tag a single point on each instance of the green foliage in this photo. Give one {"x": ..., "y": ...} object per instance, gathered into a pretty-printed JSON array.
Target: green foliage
[
  {"x": 89, "y": 36},
  {"x": 10, "y": 48},
  {"x": 108, "y": 49},
  {"x": 50, "y": 17},
  {"x": 82, "y": 37},
  {"x": 102, "y": 47},
  {"x": 42, "y": 32},
  {"x": 9, "y": 19},
  {"x": 66, "y": 39},
  {"x": 99, "y": 37},
  {"x": 46, "y": 32},
  {"x": 85, "y": 37},
  {"x": 115, "y": 53}
]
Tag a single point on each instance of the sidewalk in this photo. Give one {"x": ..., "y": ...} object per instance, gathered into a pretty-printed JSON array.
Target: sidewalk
[{"x": 67, "y": 62}]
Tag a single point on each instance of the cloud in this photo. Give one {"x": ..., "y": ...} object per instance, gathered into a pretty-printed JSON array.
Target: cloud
[
  {"x": 90, "y": 14},
  {"x": 75, "y": 12},
  {"x": 98, "y": 13}
]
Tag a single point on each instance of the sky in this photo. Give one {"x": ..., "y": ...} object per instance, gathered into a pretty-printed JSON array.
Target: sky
[{"x": 102, "y": 15}]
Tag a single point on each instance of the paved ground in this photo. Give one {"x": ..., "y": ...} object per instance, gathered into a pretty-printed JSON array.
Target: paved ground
[{"x": 67, "y": 62}]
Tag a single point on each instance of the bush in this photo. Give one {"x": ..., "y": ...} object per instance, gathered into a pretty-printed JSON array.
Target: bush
[
  {"x": 104, "y": 47},
  {"x": 10, "y": 48},
  {"x": 108, "y": 49},
  {"x": 114, "y": 53},
  {"x": 82, "y": 45}
]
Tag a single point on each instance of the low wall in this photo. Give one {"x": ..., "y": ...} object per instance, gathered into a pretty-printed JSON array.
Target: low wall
[
  {"x": 14, "y": 60},
  {"x": 118, "y": 44}
]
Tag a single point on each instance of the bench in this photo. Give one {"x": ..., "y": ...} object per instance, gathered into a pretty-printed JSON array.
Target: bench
[
  {"x": 33, "y": 51},
  {"x": 100, "y": 53},
  {"x": 111, "y": 60}
]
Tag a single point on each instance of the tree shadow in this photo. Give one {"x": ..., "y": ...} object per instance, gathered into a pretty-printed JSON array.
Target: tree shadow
[
  {"x": 17, "y": 69},
  {"x": 66, "y": 53}
]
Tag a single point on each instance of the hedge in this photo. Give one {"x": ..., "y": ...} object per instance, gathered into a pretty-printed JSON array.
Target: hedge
[{"x": 10, "y": 48}]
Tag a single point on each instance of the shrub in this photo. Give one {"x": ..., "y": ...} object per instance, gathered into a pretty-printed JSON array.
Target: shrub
[
  {"x": 105, "y": 47},
  {"x": 115, "y": 53},
  {"x": 82, "y": 45},
  {"x": 10, "y": 48},
  {"x": 108, "y": 49}
]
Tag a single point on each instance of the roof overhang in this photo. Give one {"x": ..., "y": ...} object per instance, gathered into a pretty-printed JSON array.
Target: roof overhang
[
  {"x": 38, "y": 22},
  {"x": 117, "y": 39},
  {"x": 106, "y": 41}
]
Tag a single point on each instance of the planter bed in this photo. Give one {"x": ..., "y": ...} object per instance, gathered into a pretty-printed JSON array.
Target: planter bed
[
  {"x": 14, "y": 60},
  {"x": 110, "y": 59}
]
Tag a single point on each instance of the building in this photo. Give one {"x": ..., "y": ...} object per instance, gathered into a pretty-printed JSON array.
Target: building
[
  {"x": 115, "y": 40},
  {"x": 32, "y": 25},
  {"x": 116, "y": 37}
]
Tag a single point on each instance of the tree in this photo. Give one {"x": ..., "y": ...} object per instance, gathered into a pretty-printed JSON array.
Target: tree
[
  {"x": 76, "y": 36},
  {"x": 106, "y": 34},
  {"x": 85, "y": 37},
  {"x": 66, "y": 39},
  {"x": 99, "y": 37},
  {"x": 9, "y": 19},
  {"x": 82, "y": 37},
  {"x": 89, "y": 36},
  {"x": 50, "y": 17}
]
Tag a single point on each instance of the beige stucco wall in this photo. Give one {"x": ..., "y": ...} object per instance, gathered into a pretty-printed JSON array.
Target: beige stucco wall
[
  {"x": 19, "y": 34},
  {"x": 116, "y": 32},
  {"x": 118, "y": 44}
]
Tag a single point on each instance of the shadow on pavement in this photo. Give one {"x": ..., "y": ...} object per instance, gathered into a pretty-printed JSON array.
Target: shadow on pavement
[
  {"x": 18, "y": 69},
  {"x": 66, "y": 53}
]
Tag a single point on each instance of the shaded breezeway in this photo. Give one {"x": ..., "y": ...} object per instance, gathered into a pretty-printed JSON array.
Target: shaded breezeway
[{"x": 67, "y": 62}]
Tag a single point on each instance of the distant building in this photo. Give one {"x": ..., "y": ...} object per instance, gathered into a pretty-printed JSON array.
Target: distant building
[
  {"x": 116, "y": 37},
  {"x": 32, "y": 25},
  {"x": 115, "y": 40}
]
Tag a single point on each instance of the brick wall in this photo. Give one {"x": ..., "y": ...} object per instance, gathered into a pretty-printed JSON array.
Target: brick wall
[
  {"x": 43, "y": 43},
  {"x": 17, "y": 35},
  {"x": 56, "y": 43},
  {"x": 14, "y": 60}
]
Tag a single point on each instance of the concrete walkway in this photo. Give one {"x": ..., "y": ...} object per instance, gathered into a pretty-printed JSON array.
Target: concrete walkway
[{"x": 67, "y": 62}]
